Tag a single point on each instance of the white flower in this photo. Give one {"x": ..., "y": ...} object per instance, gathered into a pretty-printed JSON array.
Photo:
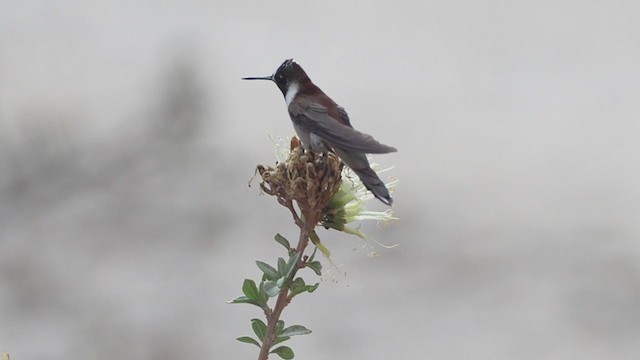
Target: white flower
[{"x": 348, "y": 206}]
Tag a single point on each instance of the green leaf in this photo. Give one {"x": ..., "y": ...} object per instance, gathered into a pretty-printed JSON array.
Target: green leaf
[
  {"x": 281, "y": 282},
  {"x": 291, "y": 264},
  {"x": 295, "y": 330},
  {"x": 279, "y": 327},
  {"x": 271, "y": 288},
  {"x": 282, "y": 266},
  {"x": 246, "y": 300},
  {"x": 313, "y": 254},
  {"x": 297, "y": 286},
  {"x": 259, "y": 328},
  {"x": 264, "y": 297},
  {"x": 282, "y": 241},
  {"x": 240, "y": 300},
  {"x": 280, "y": 339},
  {"x": 316, "y": 267},
  {"x": 249, "y": 340},
  {"x": 250, "y": 289},
  {"x": 284, "y": 352},
  {"x": 312, "y": 288},
  {"x": 268, "y": 270}
]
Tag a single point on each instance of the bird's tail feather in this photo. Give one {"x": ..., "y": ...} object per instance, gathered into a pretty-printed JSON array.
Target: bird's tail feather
[{"x": 360, "y": 165}]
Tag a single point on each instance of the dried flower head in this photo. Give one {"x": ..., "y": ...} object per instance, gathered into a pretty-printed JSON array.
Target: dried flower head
[{"x": 308, "y": 178}]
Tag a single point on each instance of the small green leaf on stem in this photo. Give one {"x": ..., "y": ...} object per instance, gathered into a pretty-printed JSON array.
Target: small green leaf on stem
[
  {"x": 280, "y": 339},
  {"x": 268, "y": 270},
  {"x": 263, "y": 295},
  {"x": 297, "y": 286},
  {"x": 249, "y": 340},
  {"x": 271, "y": 288},
  {"x": 316, "y": 267},
  {"x": 313, "y": 255},
  {"x": 295, "y": 330},
  {"x": 282, "y": 266},
  {"x": 292, "y": 264},
  {"x": 246, "y": 300},
  {"x": 259, "y": 328},
  {"x": 284, "y": 352},
  {"x": 240, "y": 300},
  {"x": 281, "y": 282},
  {"x": 250, "y": 289},
  {"x": 312, "y": 288},
  {"x": 279, "y": 326},
  {"x": 282, "y": 241}
]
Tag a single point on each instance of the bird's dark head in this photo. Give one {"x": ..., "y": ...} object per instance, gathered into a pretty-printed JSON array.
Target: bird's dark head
[{"x": 287, "y": 75}]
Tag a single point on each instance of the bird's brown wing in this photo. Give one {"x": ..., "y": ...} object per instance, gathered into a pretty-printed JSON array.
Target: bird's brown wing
[{"x": 315, "y": 118}]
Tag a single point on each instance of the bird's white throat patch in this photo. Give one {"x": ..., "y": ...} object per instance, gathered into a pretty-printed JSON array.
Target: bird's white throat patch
[{"x": 292, "y": 91}]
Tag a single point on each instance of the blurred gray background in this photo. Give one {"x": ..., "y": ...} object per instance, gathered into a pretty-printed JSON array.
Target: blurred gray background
[{"x": 127, "y": 141}]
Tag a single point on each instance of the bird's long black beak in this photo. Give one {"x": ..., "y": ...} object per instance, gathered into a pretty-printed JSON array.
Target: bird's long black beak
[{"x": 258, "y": 78}]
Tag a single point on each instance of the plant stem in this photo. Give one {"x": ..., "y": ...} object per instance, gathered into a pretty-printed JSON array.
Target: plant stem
[{"x": 283, "y": 298}]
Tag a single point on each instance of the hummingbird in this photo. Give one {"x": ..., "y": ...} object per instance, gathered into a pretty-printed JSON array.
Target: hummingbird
[{"x": 322, "y": 125}]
